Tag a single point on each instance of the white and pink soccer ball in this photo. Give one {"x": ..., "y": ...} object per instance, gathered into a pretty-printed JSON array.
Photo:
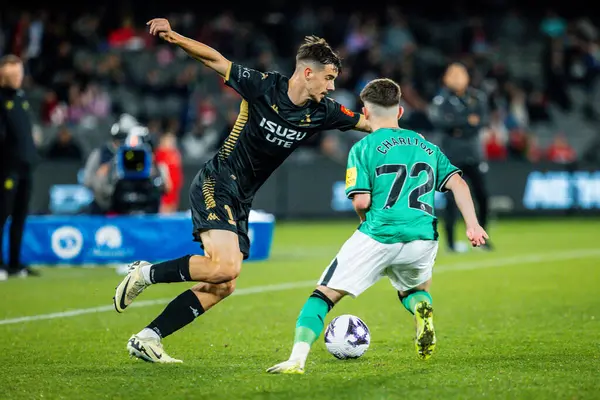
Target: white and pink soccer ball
[{"x": 347, "y": 336}]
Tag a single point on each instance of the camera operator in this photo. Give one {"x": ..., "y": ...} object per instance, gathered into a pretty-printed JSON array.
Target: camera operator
[
  {"x": 139, "y": 181},
  {"x": 98, "y": 165}
]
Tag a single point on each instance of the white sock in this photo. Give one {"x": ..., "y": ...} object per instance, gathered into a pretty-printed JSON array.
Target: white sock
[
  {"x": 300, "y": 352},
  {"x": 146, "y": 273},
  {"x": 148, "y": 333}
]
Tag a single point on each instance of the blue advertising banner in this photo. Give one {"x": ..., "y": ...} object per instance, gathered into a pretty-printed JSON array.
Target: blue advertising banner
[{"x": 93, "y": 240}]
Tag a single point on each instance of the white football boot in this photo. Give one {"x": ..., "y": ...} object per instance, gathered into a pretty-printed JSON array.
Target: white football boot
[
  {"x": 149, "y": 349},
  {"x": 132, "y": 285}
]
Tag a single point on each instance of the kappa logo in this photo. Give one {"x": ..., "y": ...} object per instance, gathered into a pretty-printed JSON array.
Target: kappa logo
[
  {"x": 213, "y": 217},
  {"x": 306, "y": 120}
]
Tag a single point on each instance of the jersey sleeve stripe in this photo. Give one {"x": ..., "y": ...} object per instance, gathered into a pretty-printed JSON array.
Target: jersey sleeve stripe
[
  {"x": 234, "y": 135},
  {"x": 356, "y": 191},
  {"x": 228, "y": 73},
  {"x": 446, "y": 179}
]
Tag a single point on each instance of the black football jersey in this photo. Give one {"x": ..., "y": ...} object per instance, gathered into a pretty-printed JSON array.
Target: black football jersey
[{"x": 270, "y": 127}]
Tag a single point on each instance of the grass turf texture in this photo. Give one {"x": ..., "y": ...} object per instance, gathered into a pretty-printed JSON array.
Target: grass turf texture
[{"x": 520, "y": 322}]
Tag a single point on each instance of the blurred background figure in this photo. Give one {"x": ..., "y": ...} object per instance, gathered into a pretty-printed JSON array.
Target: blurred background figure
[
  {"x": 460, "y": 112},
  {"x": 538, "y": 70},
  {"x": 18, "y": 156},
  {"x": 167, "y": 154}
]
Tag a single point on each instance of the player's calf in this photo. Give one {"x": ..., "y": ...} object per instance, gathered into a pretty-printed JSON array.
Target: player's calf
[
  {"x": 216, "y": 269},
  {"x": 192, "y": 268},
  {"x": 210, "y": 294}
]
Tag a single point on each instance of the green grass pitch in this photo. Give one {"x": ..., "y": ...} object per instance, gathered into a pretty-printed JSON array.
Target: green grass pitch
[{"x": 522, "y": 322}]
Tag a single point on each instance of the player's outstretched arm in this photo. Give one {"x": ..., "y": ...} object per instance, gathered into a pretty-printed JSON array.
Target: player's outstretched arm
[
  {"x": 361, "y": 203},
  {"x": 201, "y": 52},
  {"x": 464, "y": 201},
  {"x": 364, "y": 125}
]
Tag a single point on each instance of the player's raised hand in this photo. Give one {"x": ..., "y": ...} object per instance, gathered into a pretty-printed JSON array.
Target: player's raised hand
[
  {"x": 476, "y": 235},
  {"x": 160, "y": 27}
]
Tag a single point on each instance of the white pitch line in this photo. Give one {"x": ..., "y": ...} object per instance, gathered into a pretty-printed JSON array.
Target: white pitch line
[
  {"x": 472, "y": 265},
  {"x": 146, "y": 303}
]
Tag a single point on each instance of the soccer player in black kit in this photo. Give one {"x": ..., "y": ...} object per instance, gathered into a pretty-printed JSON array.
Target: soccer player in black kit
[{"x": 276, "y": 114}]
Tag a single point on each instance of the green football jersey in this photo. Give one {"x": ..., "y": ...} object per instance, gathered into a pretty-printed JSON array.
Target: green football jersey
[{"x": 401, "y": 170}]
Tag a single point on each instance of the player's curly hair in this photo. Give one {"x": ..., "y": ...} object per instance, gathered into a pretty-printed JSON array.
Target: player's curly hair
[
  {"x": 318, "y": 50},
  {"x": 382, "y": 92}
]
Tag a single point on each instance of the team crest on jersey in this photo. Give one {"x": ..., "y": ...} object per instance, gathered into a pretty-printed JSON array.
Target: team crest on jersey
[{"x": 347, "y": 111}]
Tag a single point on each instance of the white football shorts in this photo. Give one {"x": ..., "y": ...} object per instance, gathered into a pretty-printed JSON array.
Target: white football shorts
[{"x": 362, "y": 261}]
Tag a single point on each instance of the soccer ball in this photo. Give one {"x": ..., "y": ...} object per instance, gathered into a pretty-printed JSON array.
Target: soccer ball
[{"x": 347, "y": 336}]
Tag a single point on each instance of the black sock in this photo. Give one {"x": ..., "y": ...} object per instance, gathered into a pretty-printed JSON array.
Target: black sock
[
  {"x": 178, "y": 313},
  {"x": 177, "y": 270}
]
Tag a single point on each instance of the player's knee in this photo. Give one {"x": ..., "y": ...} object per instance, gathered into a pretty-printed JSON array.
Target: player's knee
[
  {"x": 228, "y": 268},
  {"x": 220, "y": 290},
  {"x": 226, "y": 289}
]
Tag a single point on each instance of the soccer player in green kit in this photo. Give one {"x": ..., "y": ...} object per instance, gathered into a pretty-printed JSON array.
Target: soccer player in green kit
[{"x": 391, "y": 178}]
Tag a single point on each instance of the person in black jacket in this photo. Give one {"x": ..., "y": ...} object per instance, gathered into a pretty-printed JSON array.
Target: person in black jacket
[
  {"x": 459, "y": 112},
  {"x": 18, "y": 155}
]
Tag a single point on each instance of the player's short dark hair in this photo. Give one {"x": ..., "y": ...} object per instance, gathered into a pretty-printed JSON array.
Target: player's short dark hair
[
  {"x": 318, "y": 50},
  {"x": 9, "y": 59},
  {"x": 382, "y": 92}
]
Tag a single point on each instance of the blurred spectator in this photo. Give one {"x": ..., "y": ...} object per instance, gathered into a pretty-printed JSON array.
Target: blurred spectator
[
  {"x": 555, "y": 73},
  {"x": 49, "y": 107},
  {"x": 475, "y": 38},
  {"x": 96, "y": 101},
  {"x": 123, "y": 35},
  {"x": 553, "y": 25},
  {"x": 119, "y": 68},
  {"x": 495, "y": 137},
  {"x": 495, "y": 150},
  {"x": 398, "y": 41},
  {"x": 560, "y": 151},
  {"x": 523, "y": 146},
  {"x": 518, "y": 116},
  {"x": 76, "y": 110},
  {"x": 203, "y": 140},
  {"x": 517, "y": 145},
  {"x": 64, "y": 147},
  {"x": 537, "y": 107},
  {"x": 167, "y": 154}
]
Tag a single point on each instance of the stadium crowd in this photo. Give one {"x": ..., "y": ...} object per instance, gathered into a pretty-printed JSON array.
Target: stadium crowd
[{"x": 84, "y": 72}]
